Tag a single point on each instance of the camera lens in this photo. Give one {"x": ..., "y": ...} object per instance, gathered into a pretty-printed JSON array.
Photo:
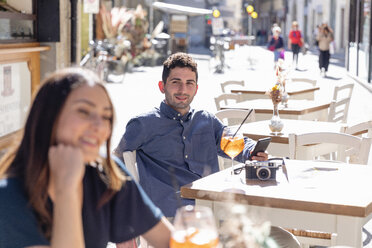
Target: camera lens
[{"x": 263, "y": 173}]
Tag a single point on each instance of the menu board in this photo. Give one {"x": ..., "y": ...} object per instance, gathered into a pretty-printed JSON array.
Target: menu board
[{"x": 15, "y": 96}]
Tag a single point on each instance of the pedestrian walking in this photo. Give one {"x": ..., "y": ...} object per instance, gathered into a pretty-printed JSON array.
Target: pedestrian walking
[
  {"x": 324, "y": 38},
  {"x": 55, "y": 188},
  {"x": 295, "y": 41},
  {"x": 276, "y": 45}
]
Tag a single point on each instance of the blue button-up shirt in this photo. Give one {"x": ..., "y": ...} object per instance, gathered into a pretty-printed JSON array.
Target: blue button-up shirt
[{"x": 164, "y": 139}]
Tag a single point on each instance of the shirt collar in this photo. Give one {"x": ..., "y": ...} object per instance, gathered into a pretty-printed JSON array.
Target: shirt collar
[{"x": 173, "y": 114}]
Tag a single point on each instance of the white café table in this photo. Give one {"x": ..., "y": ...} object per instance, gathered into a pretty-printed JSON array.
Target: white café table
[
  {"x": 320, "y": 196},
  {"x": 297, "y": 109}
]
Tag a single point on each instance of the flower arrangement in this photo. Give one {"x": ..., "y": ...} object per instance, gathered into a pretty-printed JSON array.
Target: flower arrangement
[
  {"x": 276, "y": 93},
  {"x": 282, "y": 75}
]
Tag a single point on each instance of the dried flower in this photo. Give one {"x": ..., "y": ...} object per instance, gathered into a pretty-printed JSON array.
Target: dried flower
[{"x": 275, "y": 93}]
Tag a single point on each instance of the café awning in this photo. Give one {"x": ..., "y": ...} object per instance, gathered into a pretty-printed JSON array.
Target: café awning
[{"x": 180, "y": 9}]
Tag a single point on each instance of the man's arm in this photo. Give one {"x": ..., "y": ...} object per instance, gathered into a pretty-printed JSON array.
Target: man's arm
[{"x": 133, "y": 138}]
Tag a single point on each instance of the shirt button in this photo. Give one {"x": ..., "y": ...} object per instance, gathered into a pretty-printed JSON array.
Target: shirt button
[
  {"x": 184, "y": 137},
  {"x": 179, "y": 114},
  {"x": 181, "y": 121},
  {"x": 186, "y": 156},
  {"x": 174, "y": 118}
]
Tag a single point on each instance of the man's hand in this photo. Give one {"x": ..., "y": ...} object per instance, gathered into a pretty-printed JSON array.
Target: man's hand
[{"x": 261, "y": 156}]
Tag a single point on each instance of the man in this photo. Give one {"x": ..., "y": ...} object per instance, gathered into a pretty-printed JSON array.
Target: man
[
  {"x": 175, "y": 140},
  {"x": 177, "y": 145}
]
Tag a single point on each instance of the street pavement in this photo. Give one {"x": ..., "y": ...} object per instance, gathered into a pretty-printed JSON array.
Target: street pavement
[{"x": 139, "y": 91}]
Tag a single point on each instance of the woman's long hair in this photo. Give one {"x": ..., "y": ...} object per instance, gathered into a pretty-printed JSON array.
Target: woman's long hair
[{"x": 29, "y": 162}]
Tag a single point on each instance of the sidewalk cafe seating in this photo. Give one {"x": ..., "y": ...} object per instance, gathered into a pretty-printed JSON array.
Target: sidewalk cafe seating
[
  {"x": 228, "y": 83},
  {"x": 339, "y": 108},
  {"x": 226, "y": 98},
  {"x": 231, "y": 117},
  {"x": 348, "y": 148},
  {"x": 360, "y": 129}
]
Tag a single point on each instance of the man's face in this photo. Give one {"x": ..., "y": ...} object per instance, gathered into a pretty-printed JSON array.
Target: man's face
[{"x": 179, "y": 89}]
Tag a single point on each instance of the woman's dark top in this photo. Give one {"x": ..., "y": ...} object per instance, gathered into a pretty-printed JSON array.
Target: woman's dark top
[
  {"x": 277, "y": 43},
  {"x": 127, "y": 215}
]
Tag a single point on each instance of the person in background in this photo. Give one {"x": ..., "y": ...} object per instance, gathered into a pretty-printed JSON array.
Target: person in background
[
  {"x": 176, "y": 144},
  {"x": 276, "y": 45},
  {"x": 324, "y": 38},
  {"x": 295, "y": 41},
  {"x": 55, "y": 189}
]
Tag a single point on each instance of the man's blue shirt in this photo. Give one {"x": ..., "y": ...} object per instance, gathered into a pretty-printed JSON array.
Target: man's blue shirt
[{"x": 164, "y": 139}]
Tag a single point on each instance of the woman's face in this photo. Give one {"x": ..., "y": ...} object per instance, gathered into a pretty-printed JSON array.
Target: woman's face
[{"x": 85, "y": 120}]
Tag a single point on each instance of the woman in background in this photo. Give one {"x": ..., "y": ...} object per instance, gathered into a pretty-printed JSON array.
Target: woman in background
[
  {"x": 324, "y": 38},
  {"x": 276, "y": 44},
  {"x": 55, "y": 189},
  {"x": 295, "y": 41}
]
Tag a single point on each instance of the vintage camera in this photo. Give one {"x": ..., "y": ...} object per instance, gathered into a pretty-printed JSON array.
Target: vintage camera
[{"x": 265, "y": 170}]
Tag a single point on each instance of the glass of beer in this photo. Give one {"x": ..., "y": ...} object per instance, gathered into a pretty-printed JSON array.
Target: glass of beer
[{"x": 194, "y": 227}]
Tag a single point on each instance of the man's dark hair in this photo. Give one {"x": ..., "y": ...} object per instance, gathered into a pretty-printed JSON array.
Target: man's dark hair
[{"x": 179, "y": 60}]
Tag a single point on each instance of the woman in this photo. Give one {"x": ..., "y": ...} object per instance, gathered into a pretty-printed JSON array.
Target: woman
[
  {"x": 324, "y": 38},
  {"x": 276, "y": 44},
  {"x": 295, "y": 41},
  {"x": 55, "y": 189}
]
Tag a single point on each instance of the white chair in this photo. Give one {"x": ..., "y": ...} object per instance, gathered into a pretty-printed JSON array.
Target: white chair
[
  {"x": 339, "y": 109},
  {"x": 231, "y": 117},
  {"x": 347, "y": 148},
  {"x": 305, "y": 80},
  {"x": 227, "y": 98},
  {"x": 360, "y": 129},
  {"x": 131, "y": 164},
  {"x": 228, "y": 83}
]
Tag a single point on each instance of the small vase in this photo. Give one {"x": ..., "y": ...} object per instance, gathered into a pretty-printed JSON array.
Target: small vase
[{"x": 276, "y": 124}]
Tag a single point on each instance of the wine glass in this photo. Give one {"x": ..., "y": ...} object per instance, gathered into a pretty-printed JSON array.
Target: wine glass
[
  {"x": 232, "y": 143},
  {"x": 194, "y": 227}
]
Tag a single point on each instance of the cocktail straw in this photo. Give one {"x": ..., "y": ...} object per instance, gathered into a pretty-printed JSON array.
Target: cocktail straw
[{"x": 241, "y": 124}]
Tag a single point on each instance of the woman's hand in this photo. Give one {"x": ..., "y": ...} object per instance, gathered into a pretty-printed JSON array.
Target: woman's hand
[
  {"x": 66, "y": 190},
  {"x": 66, "y": 169}
]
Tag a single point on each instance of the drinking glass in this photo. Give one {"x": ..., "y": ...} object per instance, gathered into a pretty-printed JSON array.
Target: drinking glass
[
  {"x": 194, "y": 227},
  {"x": 232, "y": 143}
]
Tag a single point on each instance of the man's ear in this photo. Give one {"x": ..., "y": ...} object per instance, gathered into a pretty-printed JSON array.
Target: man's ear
[{"x": 161, "y": 86}]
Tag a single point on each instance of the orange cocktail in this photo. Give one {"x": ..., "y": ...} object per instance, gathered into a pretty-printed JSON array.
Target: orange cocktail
[
  {"x": 197, "y": 239},
  {"x": 232, "y": 146}
]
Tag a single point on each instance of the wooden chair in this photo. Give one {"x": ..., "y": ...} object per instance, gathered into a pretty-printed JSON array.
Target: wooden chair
[
  {"x": 231, "y": 117},
  {"x": 227, "y": 98},
  {"x": 363, "y": 128},
  {"x": 227, "y": 83},
  {"x": 305, "y": 80},
  {"x": 347, "y": 148},
  {"x": 339, "y": 109}
]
